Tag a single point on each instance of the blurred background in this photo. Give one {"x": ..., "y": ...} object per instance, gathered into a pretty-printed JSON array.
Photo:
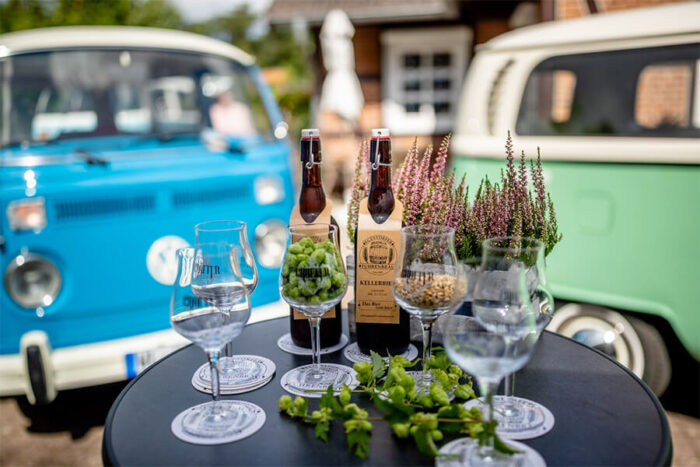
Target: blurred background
[{"x": 421, "y": 68}]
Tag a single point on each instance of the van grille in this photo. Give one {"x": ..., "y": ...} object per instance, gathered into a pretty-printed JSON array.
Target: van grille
[
  {"x": 103, "y": 207},
  {"x": 187, "y": 198}
]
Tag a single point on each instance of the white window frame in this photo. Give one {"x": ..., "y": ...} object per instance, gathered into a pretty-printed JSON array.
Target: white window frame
[{"x": 396, "y": 43}]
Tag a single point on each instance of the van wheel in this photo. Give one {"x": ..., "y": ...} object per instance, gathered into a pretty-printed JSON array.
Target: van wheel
[
  {"x": 632, "y": 342},
  {"x": 657, "y": 363}
]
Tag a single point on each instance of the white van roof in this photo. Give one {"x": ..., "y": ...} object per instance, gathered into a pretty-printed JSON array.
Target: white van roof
[
  {"x": 665, "y": 20},
  {"x": 68, "y": 37}
]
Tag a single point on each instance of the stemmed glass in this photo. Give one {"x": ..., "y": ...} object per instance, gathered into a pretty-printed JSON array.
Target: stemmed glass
[
  {"x": 313, "y": 280},
  {"x": 231, "y": 232},
  {"x": 489, "y": 355},
  {"x": 209, "y": 327},
  {"x": 502, "y": 257},
  {"x": 427, "y": 281}
]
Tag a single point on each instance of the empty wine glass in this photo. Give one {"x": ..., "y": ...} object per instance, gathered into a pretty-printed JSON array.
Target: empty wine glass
[
  {"x": 210, "y": 328},
  {"x": 488, "y": 357},
  {"x": 313, "y": 280},
  {"x": 232, "y": 232},
  {"x": 504, "y": 256},
  {"x": 427, "y": 281}
]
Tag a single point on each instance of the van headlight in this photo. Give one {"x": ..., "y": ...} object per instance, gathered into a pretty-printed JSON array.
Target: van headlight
[
  {"x": 32, "y": 280},
  {"x": 270, "y": 241},
  {"x": 27, "y": 214},
  {"x": 268, "y": 190}
]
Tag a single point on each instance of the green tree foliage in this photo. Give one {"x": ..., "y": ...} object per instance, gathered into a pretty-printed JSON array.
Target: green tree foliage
[{"x": 16, "y": 15}]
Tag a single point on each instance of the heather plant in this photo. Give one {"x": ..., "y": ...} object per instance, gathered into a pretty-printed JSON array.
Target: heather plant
[{"x": 517, "y": 205}]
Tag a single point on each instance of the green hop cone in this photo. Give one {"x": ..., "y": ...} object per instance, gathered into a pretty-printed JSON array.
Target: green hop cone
[
  {"x": 426, "y": 401},
  {"x": 285, "y": 403},
  {"x": 441, "y": 376},
  {"x": 397, "y": 394},
  {"x": 437, "y": 435},
  {"x": 345, "y": 395},
  {"x": 295, "y": 248},
  {"x": 455, "y": 370},
  {"x": 438, "y": 395},
  {"x": 319, "y": 256},
  {"x": 401, "y": 430},
  {"x": 465, "y": 391}
]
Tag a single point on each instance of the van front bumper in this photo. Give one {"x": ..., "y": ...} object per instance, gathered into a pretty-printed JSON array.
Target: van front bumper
[{"x": 39, "y": 372}]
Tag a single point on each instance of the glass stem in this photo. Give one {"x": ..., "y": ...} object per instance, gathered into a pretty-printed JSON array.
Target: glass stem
[
  {"x": 214, "y": 367},
  {"x": 228, "y": 349},
  {"x": 508, "y": 384},
  {"x": 487, "y": 389},
  {"x": 315, "y": 324},
  {"x": 427, "y": 347}
]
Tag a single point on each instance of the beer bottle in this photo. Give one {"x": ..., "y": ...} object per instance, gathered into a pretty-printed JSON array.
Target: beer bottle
[
  {"x": 313, "y": 208},
  {"x": 381, "y": 324}
]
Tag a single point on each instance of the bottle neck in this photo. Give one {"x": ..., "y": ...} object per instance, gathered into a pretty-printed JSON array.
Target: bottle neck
[
  {"x": 380, "y": 164},
  {"x": 310, "y": 162}
]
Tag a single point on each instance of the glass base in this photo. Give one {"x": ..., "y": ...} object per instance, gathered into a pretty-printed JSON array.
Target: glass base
[
  {"x": 218, "y": 422},
  {"x": 518, "y": 418},
  {"x": 307, "y": 381},
  {"x": 466, "y": 451},
  {"x": 238, "y": 372},
  {"x": 423, "y": 386}
]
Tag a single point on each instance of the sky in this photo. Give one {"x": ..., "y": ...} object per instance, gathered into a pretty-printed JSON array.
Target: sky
[{"x": 201, "y": 10}]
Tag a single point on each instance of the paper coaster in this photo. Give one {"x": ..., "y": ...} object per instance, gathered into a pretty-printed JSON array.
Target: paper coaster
[
  {"x": 226, "y": 391},
  {"x": 352, "y": 353},
  {"x": 240, "y": 372},
  {"x": 534, "y": 419},
  {"x": 299, "y": 382},
  {"x": 248, "y": 419},
  {"x": 456, "y": 454},
  {"x": 285, "y": 343}
]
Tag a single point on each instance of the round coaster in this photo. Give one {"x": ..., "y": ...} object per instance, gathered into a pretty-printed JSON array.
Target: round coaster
[
  {"x": 249, "y": 419},
  {"x": 285, "y": 343},
  {"x": 456, "y": 454},
  {"x": 228, "y": 391},
  {"x": 534, "y": 419},
  {"x": 242, "y": 371},
  {"x": 352, "y": 353},
  {"x": 300, "y": 383}
]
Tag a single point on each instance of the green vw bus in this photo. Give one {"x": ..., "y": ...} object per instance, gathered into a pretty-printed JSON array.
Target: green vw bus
[{"x": 614, "y": 103}]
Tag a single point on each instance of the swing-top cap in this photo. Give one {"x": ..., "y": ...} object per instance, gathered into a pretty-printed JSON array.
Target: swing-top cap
[
  {"x": 380, "y": 133},
  {"x": 310, "y": 133}
]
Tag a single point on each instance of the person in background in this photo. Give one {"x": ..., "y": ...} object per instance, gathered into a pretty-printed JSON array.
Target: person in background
[{"x": 230, "y": 117}]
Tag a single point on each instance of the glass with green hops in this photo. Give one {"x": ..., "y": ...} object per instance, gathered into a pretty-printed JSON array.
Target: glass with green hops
[{"x": 313, "y": 280}]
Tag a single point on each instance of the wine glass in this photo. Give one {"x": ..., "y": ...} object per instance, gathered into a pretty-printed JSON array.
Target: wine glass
[
  {"x": 488, "y": 357},
  {"x": 427, "y": 281},
  {"x": 519, "y": 418},
  {"x": 313, "y": 280},
  {"x": 232, "y": 232},
  {"x": 209, "y": 327}
]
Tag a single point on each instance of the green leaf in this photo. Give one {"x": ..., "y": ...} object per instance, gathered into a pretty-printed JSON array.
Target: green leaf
[
  {"x": 378, "y": 364},
  {"x": 424, "y": 442},
  {"x": 328, "y": 401},
  {"x": 321, "y": 429},
  {"x": 500, "y": 446}
]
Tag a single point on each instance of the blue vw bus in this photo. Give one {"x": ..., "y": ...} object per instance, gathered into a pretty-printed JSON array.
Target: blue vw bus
[{"x": 115, "y": 142}]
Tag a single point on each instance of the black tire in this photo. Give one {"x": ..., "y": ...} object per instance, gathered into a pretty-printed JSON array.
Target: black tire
[{"x": 657, "y": 363}]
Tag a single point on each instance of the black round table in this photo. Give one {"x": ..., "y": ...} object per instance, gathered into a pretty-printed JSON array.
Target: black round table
[{"x": 604, "y": 414}]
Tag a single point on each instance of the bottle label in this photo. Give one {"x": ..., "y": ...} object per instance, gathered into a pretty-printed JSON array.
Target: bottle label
[
  {"x": 377, "y": 249},
  {"x": 323, "y": 218}
]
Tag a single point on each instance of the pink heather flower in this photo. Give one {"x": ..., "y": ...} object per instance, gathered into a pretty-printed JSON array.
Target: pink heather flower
[
  {"x": 440, "y": 160},
  {"x": 359, "y": 188}
]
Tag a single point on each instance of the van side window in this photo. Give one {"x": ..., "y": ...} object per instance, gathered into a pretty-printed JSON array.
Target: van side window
[{"x": 636, "y": 92}]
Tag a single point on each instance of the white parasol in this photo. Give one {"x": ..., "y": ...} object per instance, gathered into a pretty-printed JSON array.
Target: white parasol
[{"x": 341, "y": 92}]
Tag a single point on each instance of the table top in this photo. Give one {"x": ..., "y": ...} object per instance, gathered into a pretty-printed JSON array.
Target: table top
[{"x": 604, "y": 414}]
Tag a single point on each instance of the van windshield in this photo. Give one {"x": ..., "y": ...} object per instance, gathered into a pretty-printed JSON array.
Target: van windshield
[
  {"x": 637, "y": 92},
  {"x": 57, "y": 95}
]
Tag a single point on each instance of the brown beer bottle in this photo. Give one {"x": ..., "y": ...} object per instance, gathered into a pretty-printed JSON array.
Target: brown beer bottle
[
  {"x": 381, "y": 337},
  {"x": 312, "y": 202}
]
